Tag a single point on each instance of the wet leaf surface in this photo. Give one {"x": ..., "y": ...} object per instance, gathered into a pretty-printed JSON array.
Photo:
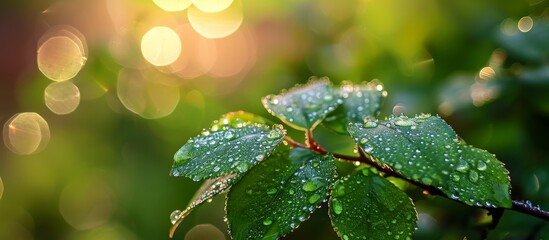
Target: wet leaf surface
[
  {"x": 274, "y": 197},
  {"x": 357, "y": 103},
  {"x": 425, "y": 149},
  {"x": 367, "y": 206},
  {"x": 233, "y": 145},
  {"x": 303, "y": 106}
]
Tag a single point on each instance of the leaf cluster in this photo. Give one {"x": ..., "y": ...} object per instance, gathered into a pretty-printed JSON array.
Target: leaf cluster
[{"x": 275, "y": 183}]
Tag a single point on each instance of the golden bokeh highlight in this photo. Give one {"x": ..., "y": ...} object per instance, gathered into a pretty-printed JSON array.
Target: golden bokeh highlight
[
  {"x": 86, "y": 203},
  {"x": 212, "y": 5},
  {"x": 204, "y": 231},
  {"x": 62, "y": 97},
  {"x": 147, "y": 97},
  {"x": 62, "y": 52},
  {"x": 216, "y": 24},
  {"x": 161, "y": 46},
  {"x": 173, "y": 5},
  {"x": 198, "y": 56},
  {"x": 26, "y": 133},
  {"x": 109, "y": 231},
  {"x": 525, "y": 24}
]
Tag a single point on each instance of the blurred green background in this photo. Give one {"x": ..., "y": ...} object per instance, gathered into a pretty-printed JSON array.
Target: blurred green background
[{"x": 482, "y": 65}]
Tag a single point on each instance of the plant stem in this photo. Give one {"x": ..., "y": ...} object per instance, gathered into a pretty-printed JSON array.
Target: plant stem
[{"x": 519, "y": 206}]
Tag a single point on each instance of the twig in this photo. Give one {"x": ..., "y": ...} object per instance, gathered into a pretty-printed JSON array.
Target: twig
[{"x": 522, "y": 207}]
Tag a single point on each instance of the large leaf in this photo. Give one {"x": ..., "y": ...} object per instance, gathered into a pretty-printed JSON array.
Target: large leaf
[
  {"x": 425, "y": 149},
  {"x": 274, "y": 197},
  {"x": 303, "y": 107},
  {"x": 367, "y": 206},
  {"x": 209, "y": 189},
  {"x": 359, "y": 102},
  {"x": 227, "y": 149}
]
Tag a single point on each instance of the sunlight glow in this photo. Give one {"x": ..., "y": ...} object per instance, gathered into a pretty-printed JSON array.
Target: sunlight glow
[
  {"x": 62, "y": 97},
  {"x": 59, "y": 58},
  {"x": 26, "y": 133},
  {"x": 212, "y": 5},
  {"x": 149, "y": 98},
  {"x": 173, "y": 5},
  {"x": 216, "y": 24},
  {"x": 161, "y": 46}
]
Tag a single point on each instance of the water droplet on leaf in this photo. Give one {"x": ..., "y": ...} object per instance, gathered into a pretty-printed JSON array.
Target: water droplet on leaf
[{"x": 174, "y": 216}]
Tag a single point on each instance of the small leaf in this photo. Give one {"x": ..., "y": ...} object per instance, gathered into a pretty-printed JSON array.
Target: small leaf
[
  {"x": 425, "y": 149},
  {"x": 209, "y": 189},
  {"x": 359, "y": 102},
  {"x": 277, "y": 195},
  {"x": 303, "y": 107},
  {"x": 230, "y": 150},
  {"x": 367, "y": 206}
]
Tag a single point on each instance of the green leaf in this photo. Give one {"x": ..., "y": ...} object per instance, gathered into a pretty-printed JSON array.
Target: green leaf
[
  {"x": 359, "y": 102},
  {"x": 209, "y": 189},
  {"x": 425, "y": 149},
  {"x": 278, "y": 194},
  {"x": 303, "y": 107},
  {"x": 367, "y": 206},
  {"x": 229, "y": 149}
]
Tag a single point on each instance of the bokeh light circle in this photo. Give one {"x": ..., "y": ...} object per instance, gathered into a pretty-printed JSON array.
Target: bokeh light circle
[
  {"x": 62, "y": 97},
  {"x": 199, "y": 54},
  {"x": 60, "y": 58},
  {"x": 147, "y": 97},
  {"x": 86, "y": 203},
  {"x": 204, "y": 231},
  {"x": 173, "y": 5},
  {"x": 161, "y": 46},
  {"x": 212, "y": 5},
  {"x": 26, "y": 133},
  {"x": 216, "y": 24}
]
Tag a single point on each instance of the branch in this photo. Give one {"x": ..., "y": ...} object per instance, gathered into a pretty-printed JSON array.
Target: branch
[
  {"x": 528, "y": 208},
  {"x": 519, "y": 206}
]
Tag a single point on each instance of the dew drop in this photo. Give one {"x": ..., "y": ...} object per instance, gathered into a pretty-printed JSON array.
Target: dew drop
[
  {"x": 242, "y": 167},
  {"x": 363, "y": 140},
  {"x": 481, "y": 166},
  {"x": 289, "y": 109},
  {"x": 328, "y": 97},
  {"x": 271, "y": 191},
  {"x": 473, "y": 176},
  {"x": 427, "y": 180},
  {"x": 174, "y": 216},
  {"x": 338, "y": 208},
  {"x": 229, "y": 135},
  {"x": 398, "y": 166},
  {"x": 368, "y": 149},
  {"x": 462, "y": 166},
  {"x": 456, "y": 178},
  {"x": 259, "y": 157},
  {"x": 216, "y": 169},
  {"x": 267, "y": 222},
  {"x": 291, "y": 191},
  {"x": 273, "y": 134},
  {"x": 370, "y": 124},
  {"x": 405, "y": 122},
  {"x": 312, "y": 185},
  {"x": 314, "y": 198}
]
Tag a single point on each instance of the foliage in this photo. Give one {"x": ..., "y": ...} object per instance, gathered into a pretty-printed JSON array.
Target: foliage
[{"x": 275, "y": 183}]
